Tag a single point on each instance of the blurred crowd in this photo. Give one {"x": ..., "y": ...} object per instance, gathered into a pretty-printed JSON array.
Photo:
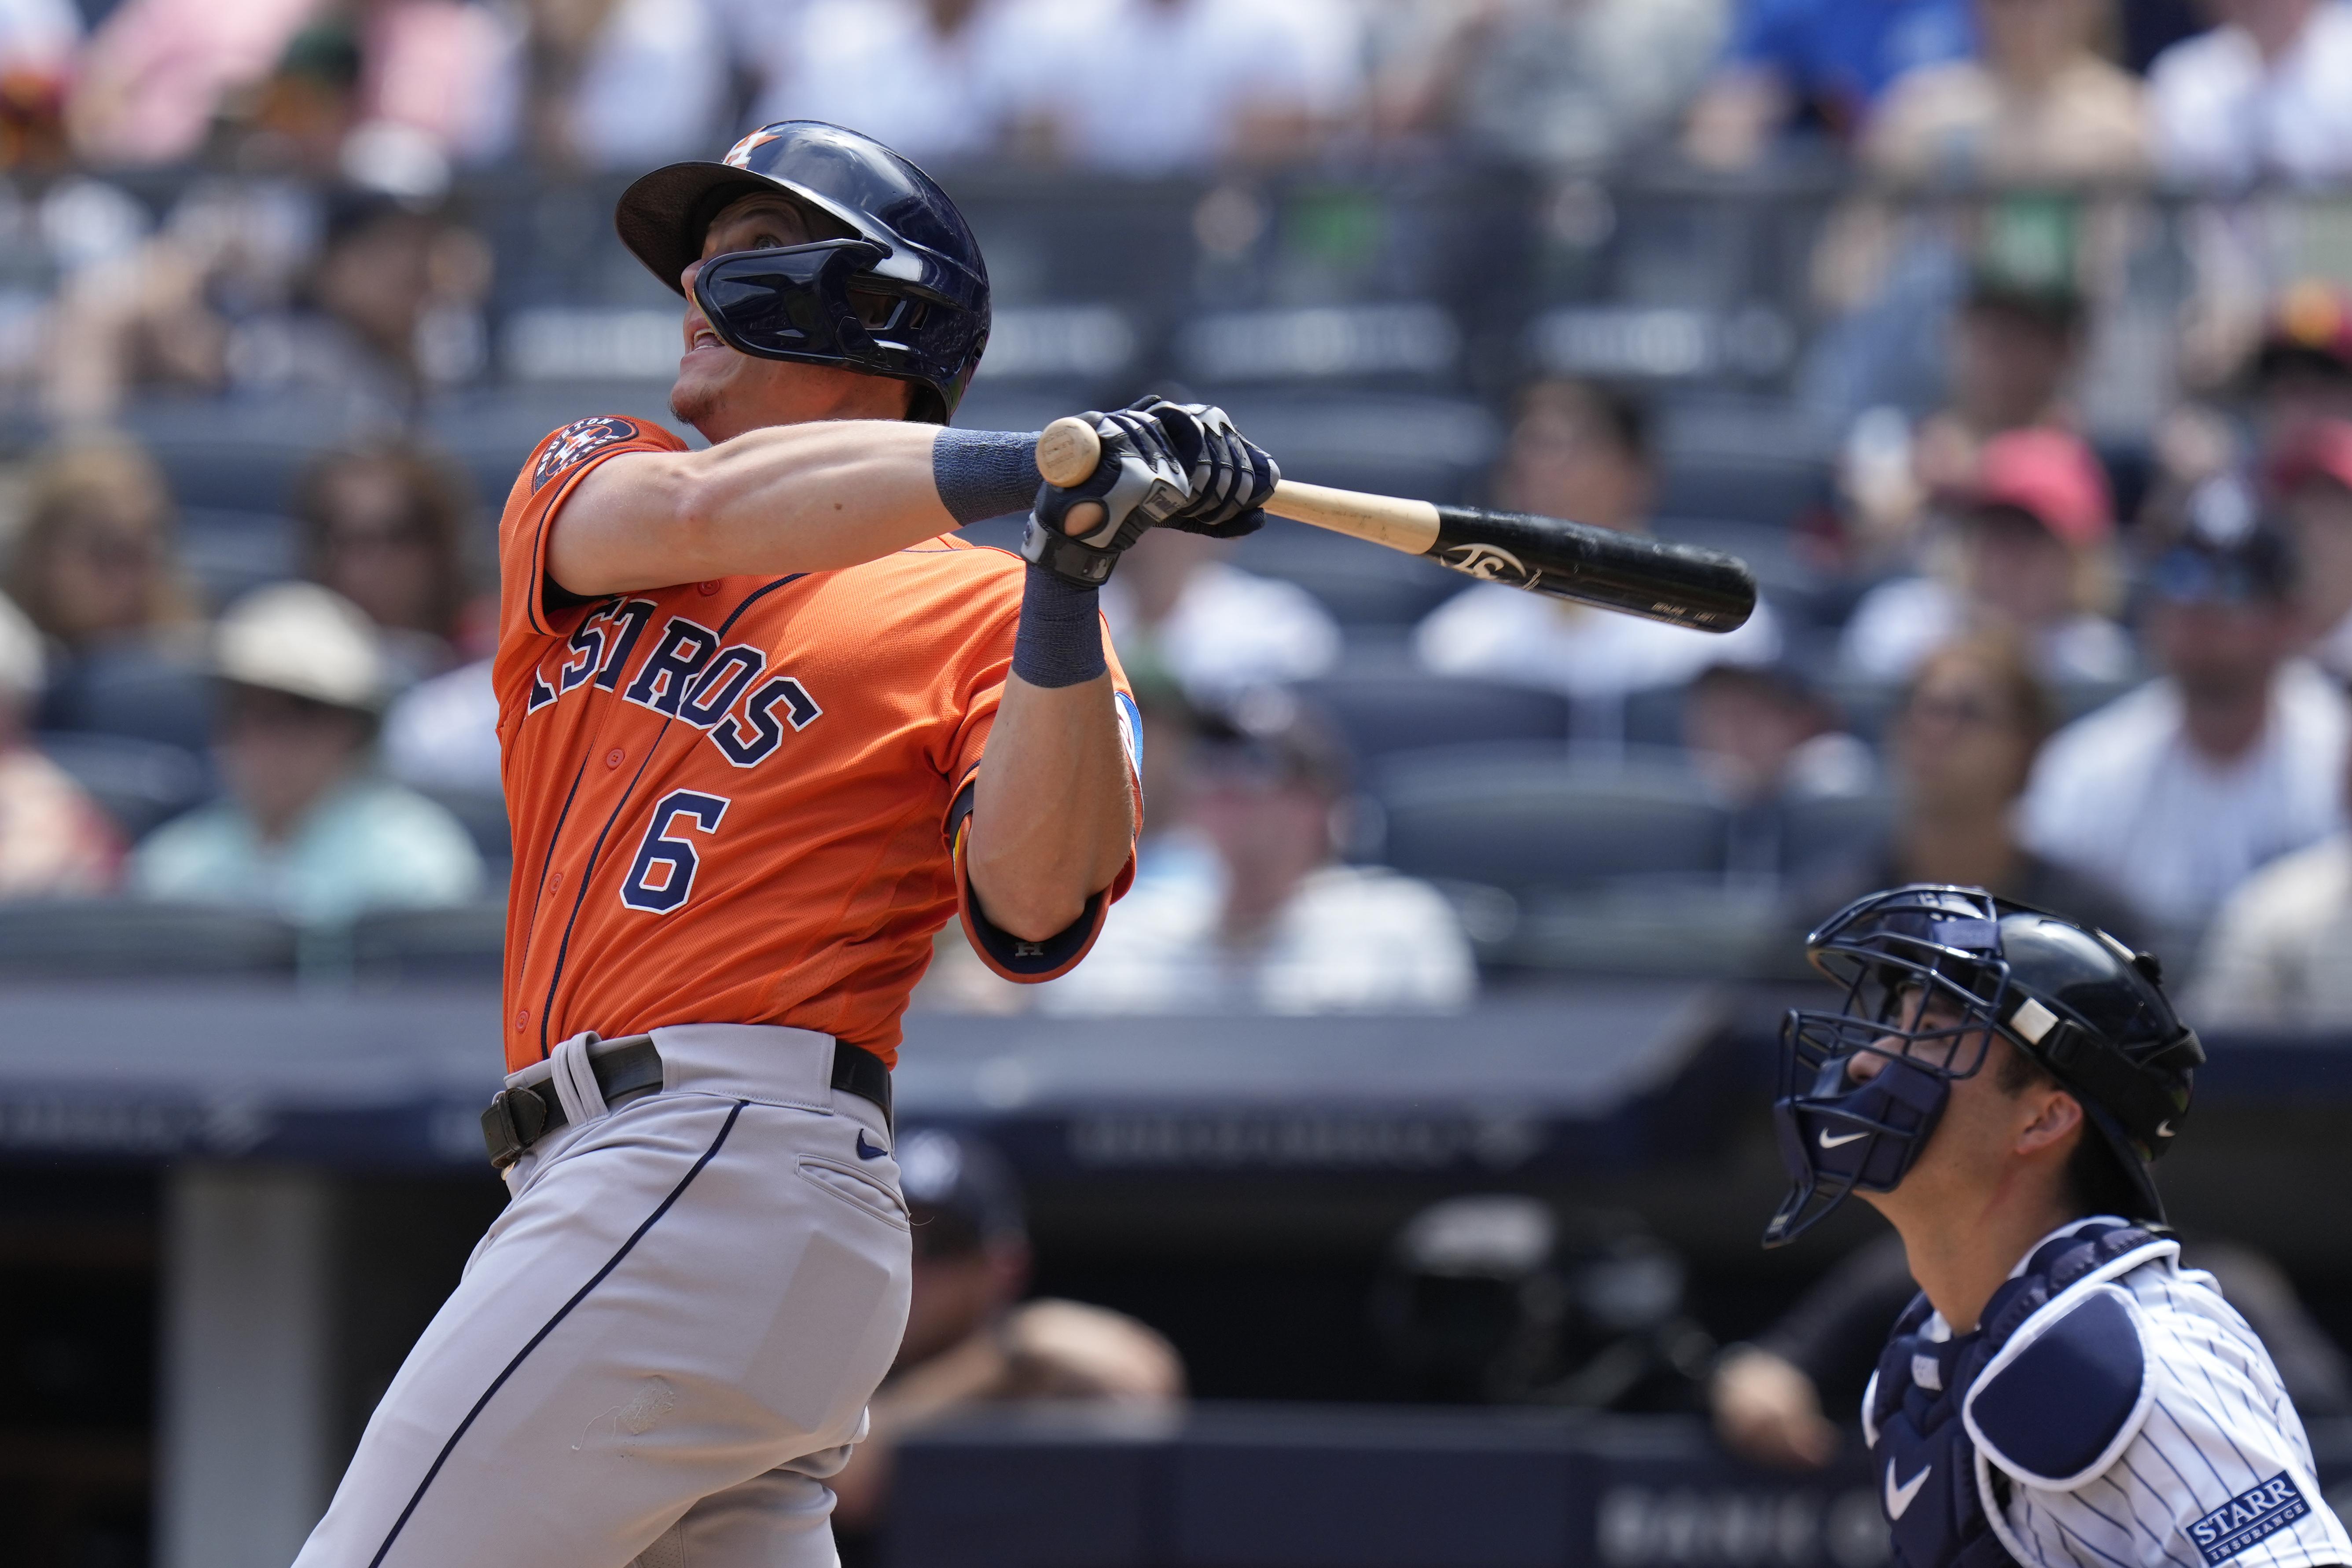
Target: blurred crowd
[
  {"x": 388, "y": 91},
  {"x": 2097, "y": 667}
]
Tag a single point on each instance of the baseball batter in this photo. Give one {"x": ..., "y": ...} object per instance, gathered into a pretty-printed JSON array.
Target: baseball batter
[
  {"x": 2063, "y": 1394},
  {"x": 764, "y": 728}
]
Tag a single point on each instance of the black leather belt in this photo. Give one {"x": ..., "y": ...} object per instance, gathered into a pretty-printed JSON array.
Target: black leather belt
[{"x": 627, "y": 1069}]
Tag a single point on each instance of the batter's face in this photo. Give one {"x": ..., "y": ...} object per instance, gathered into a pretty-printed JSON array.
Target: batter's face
[
  {"x": 1992, "y": 1147},
  {"x": 722, "y": 393}
]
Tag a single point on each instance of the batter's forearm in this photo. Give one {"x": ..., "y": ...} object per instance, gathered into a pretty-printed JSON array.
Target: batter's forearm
[
  {"x": 794, "y": 497},
  {"x": 1052, "y": 815}
]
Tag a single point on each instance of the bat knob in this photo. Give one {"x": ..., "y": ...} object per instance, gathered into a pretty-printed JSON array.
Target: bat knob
[{"x": 1068, "y": 452}]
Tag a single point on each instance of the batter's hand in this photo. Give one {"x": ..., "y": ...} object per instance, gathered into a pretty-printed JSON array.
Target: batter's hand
[
  {"x": 1078, "y": 534},
  {"x": 1232, "y": 478}
]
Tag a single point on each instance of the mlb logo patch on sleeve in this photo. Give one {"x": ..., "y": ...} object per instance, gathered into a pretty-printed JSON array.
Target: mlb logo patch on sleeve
[
  {"x": 2247, "y": 1518},
  {"x": 575, "y": 441}
]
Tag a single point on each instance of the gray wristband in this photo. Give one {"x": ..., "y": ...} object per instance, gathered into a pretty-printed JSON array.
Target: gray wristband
[
  {"x": 1060, "y": 642},
  {"x": 985, "y": 473}
]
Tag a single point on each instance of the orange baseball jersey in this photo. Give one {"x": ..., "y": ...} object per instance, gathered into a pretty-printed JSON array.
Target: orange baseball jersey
[{"x": 742, "y": 801}]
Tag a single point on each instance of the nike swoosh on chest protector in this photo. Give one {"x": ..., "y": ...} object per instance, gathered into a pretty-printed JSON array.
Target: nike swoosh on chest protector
[{"x": 1900, "y": 1498}]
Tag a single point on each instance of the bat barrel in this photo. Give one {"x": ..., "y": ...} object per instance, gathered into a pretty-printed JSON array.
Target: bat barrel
[{"x": 1679, "y": 583}]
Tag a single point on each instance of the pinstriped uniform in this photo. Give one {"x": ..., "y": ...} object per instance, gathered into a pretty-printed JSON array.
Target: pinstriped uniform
[{"x": 2219, "y": 1471}]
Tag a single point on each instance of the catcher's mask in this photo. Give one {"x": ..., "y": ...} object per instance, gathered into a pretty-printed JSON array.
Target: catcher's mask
[{"x": 1929, "y": 974}]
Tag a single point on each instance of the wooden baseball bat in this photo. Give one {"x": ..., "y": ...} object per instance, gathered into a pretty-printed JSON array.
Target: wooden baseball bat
[{"x": 1678, "y": 583}]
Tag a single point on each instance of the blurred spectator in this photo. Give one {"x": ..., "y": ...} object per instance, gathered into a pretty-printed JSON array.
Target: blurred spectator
[
  {"x": 2311, "y": 481},
  {"x": 2011, "y": 357},
  {"x": 969, "y": 1337},
  {"x": 1575, "y": 82},
  {"x": 156, "y": 71},
  {"x": 2280, "y": 950},
  {"x": 1959, "y": 750},
  {"x": 2039, "y": 105},
  {"x": 95, "y": 568},
  {"x": 1822, "y": 61},
  {"x": 39, "y": 40},
  {"x": 1769, "y": 1398},
  {"x": 54, "y": 841},
  {"x": 386, "y": 310},
  {"x": 429, "y": 92},
  {"x": 933, "y": 79},
  {"x": 1758, "y": 734},
  {"x": 1178, "y": 603},
  {"x": 2289, "y": 369},
  {"x": 1150, "y": 86},
  {"x": 1577, "y": 451},
  {"x": 2267, "y": 94},
  {"x": 305, "y": 831},
  {"x": 94, "y": 563},
  {"x": 2303, "y": 370},
  {"x": 392, "y": 312},
  {"x": 2032, "y": 553},
  {"x": 1498, "y": 1299},
  {"x": 385, "y": 527},
  {"x": 442, "y": 733},
  {"x": 2177, "y": 792},
  {"x": 622, "y": 84},
  {"x": 2152, "y": 26},
  {"x": 1286, "y": 929}
]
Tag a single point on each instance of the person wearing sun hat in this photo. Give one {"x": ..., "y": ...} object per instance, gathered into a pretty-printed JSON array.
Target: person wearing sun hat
[
  {"x": 2029, "y": 552},
  {"x": 304, "y": 828}
]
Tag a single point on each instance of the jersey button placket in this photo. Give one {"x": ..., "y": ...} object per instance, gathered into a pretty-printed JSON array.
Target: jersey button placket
[{"x": 614, "y": 758}]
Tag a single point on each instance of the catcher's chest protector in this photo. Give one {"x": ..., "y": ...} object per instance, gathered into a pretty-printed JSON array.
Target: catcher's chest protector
[{"x": 2049, "y": 1387}]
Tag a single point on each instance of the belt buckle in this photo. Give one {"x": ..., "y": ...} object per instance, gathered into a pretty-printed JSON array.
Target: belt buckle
[{"x": 511, "y": 1124}]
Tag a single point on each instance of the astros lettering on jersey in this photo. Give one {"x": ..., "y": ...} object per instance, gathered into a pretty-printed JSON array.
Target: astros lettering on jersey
[{"x": 743, "y": 799}]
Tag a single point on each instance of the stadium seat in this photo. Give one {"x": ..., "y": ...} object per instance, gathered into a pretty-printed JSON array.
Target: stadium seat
[
  {"x": 1764, "y": 492},
  {"x": 1380, "y": 716},
  {"x": 483, "y": 813},
  {"x": 1809, "y": 835},
  {"x": 1361, "y": 584},
  {"x": 1658, "y": 926},
  {"x": 122, "y": 938},
  {"x": 1520, "y": 816},
  {"x": 453, "y": 945},
  {"x": 141, "y": 783},
  {"x": 1403, "y": 444},
  {"x": 135, "y": 691},
  {"x": 229, "y": 552}
]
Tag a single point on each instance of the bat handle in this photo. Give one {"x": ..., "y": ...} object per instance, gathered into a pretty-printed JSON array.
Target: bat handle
[{"x": 1068, "y": 452}]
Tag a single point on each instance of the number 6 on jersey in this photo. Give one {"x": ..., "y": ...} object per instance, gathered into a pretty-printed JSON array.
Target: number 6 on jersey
[{"x": 663, "y": 874}]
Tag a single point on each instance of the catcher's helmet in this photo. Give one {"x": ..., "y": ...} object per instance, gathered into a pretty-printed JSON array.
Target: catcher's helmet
[
  {"x": 2077, "y": 1001},
  {"x": 904, "y": 294}
]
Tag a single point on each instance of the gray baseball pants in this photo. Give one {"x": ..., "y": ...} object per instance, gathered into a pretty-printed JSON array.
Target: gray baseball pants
[{"x": 663, "y": 1345}]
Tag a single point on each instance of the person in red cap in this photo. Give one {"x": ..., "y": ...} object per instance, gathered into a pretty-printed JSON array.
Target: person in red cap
[
  {"x": 2029, "y": 552},
  {"x": 2310, "y": 483}
]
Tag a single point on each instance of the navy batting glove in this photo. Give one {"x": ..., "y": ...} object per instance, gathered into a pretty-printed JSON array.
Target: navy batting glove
[
  {"x": 1232, "y": 478},
  {"x": 1138, "y": 483}
]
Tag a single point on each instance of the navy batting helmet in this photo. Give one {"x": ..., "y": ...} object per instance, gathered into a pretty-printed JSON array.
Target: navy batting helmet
[
  {"x": 1930, "y": 973},
  {"x": 902, "y": 292}
]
